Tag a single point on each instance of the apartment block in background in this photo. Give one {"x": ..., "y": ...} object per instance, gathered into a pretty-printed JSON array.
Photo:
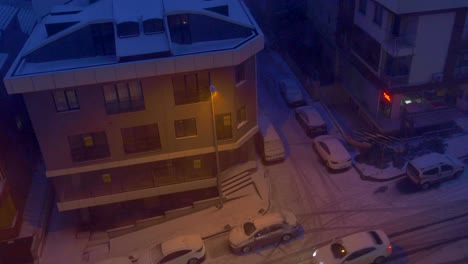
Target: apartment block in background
[
  {"x": 118, "y": 95},
  {"x": 403, "y": 63}
]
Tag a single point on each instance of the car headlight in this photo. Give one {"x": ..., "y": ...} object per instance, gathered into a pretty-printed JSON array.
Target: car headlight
[{"x": 315, "y": 253}]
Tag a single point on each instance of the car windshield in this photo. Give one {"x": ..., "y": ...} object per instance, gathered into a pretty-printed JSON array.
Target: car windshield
[
  {"x": 411, "y": 170},
  {"x": 338, "y": 250},
  {"x": 249, "y": 228}
]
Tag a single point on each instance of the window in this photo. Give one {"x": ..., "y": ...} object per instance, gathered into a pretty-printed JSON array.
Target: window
[
  {"x": 359, "y": 253},
  {"x": 262, "y": 232},
  {"x": 185, "y": 128},
  {"x": 7, "y": 211},
  {"x": 128, "y": 29},
  {"x": 123, "y": 97},
  {"x": 179, "y": 26},
  {"x": 241, "y": 116},
  {"x": 324, "y": 147},
  {"x": 153, "y": 25},
  {"x": 376, "y": 237},
  {"x": 90, "y": 146},
  {"x": 174, "y": 255},
  {"x": 191, "y": 88},
  {"x": 141, "y": 138},
  {"x": 362, "y": 6},
  {"x": 378, "y": 13},
  {"x": 223, "y": 126},
  {"x": 431, "y": 172},
  {"x": 240, "y": 73},
  {"x": 65, "y": 100},
  {"x": 446, "y": 168},
  {"x": 338, "y": 250}
]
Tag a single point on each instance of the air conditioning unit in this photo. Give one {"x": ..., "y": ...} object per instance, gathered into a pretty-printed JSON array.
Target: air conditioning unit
[{"x": 438, "y": 77}]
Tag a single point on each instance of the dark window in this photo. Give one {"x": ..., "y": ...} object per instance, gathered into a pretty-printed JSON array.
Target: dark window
[
  {"x": 432, "y": 172},
  {"x": 241, "y": 115},
  {"x": 89, "y": 146},
  {"x": 141, "y": 138},
  {"x": 362, "y": 6},
  {"x": 411, "y": 169},
  {"x": 65, "y": 100},
  {"x": 174, "y": 255},
  {"x": 325, "y": 147},
  {"x": 249, "y": 228},
  {"x": 223, "y": 126},
  {"x": 276, "y": 228},
  {"x": 359, "y": 253},
  {"x": 397, "y": 66},
  {"x": 262, "y": 232},
  {"x": 153, "y": 25},
  {"x": 446, "y": 168},
  {"x": 396, "y": 26},
  {"x": 240, "y": 73},
  {"x": 123, "y": 97},
  {"x": 185, "y": 127},
  {"x": 378, "y": 13},
  {"x": 179, "y": 26},
  {"x": 103, "y": 38},
  {"x": 376, "y": 237},
  {"x": 191, "y": 88},
  {"x": 128, "y": 29}
]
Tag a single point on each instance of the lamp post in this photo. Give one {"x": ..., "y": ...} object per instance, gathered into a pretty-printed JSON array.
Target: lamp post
[{"x": 215, "y": 143}]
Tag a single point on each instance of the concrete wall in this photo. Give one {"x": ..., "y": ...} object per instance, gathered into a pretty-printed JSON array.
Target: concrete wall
[
  {"x": 431, "y": 46},
  {"x": 52, "y": 128},
  {"x": 365, "y": 22}
]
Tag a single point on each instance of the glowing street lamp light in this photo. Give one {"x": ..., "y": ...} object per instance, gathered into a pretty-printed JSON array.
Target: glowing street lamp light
[{"x": 215, "y": 143}]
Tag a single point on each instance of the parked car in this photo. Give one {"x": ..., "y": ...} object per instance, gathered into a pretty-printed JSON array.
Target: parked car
[
  {"x": 263, "y": 230},
  {"x": 268, "y": 141},
  {"x": 364, "y": 247},
  {"x": 432, "y": 168},
  {"x": 332, "y": 151},
  {"x": 186, "y": 249},
  {"x": 291, "y": 92},
  {"x": 311, "y": 121}
]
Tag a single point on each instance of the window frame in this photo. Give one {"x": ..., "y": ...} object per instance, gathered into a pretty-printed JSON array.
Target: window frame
[
  {"x": 131, "y": 139},
  {"x": 65, "y": 93},
  {"x": 151, "y": 22},
  {"x": 362, "y": 7},
  {"x": 241, "y": 116},
  {"x": 134, "y": 105},
  {"x": 128, "y": 25},
  {"x": 378, "y": 14},
  {"x": 190, "y": 88},
  {"x": 185, "y": 129},
  {"x": 88, "y": 152},
  {"x": 221, "y": 131}
]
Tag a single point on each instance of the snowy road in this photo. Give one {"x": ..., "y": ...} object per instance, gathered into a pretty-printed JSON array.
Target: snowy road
[{"x": 335, "y": 204}]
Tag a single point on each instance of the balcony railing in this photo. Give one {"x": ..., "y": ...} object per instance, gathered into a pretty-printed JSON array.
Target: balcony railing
[{"x": 400, "y": 45}]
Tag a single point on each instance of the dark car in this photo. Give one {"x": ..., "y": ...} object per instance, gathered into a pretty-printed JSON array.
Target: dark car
[{"x": 311, "y": 121}]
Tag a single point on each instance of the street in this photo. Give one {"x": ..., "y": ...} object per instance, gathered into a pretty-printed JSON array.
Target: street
[{"x": 329, "y": 204}]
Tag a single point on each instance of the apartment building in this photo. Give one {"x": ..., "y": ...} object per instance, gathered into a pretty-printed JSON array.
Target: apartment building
[
  {"x": 119, "y": 96},
  {"x": 407, "y": 61}
]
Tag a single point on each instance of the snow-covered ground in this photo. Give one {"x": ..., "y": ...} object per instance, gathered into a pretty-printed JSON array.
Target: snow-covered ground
[{"x": 326, "y": 204}]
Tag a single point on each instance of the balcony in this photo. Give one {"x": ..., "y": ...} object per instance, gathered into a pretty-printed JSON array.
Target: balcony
[
  {"x": 399, "y": 46},
  {"x": 97, "y": 188}
]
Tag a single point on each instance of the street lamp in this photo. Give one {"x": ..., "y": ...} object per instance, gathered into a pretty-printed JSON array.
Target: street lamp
[{"x": 215, "y": 143}]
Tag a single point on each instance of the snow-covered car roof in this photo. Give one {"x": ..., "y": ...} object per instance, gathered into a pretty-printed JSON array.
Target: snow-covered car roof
[
  {"x": 433, "y": 159},
  {"x": 273, "y": 219},
  {"x": 333, "y": 143},
  {"x": 362, "y": 240},
  {"x": 312, "y": 115},
  {"x": 192, "y": 242}
]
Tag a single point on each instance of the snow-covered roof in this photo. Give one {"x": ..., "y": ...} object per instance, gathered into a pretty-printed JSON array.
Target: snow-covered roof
[
  {"x": 429, "y": 160},
  {"x": 192, "y": 242},
  {"x": 27, "y": 20},
  {"x": 7, "y": 13},
  {"x": 268, "y": 220},
  {"x": 136, "y": 10}
]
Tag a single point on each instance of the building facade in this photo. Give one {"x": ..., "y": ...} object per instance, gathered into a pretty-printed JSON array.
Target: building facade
[
  {"x": 401, "y": 63},
  {"x": 119, "y": 97}
]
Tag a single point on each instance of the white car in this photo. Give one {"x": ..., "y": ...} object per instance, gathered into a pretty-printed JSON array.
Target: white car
[
  {"x": 359, "y": 248},
  {"x": 332, "y": 151},
  {"x": 187, "y": 249},
  {"x": 291, "y": 92}
]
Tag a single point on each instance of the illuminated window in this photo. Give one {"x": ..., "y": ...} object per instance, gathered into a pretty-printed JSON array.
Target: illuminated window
[
  {"x": 89, "y": 146},
  {"x": 141, "y": 138},
  {"x": 65, "y": 100},
  {"x": 7, "y": 212},
  {"x": 223, "y": 126}
]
